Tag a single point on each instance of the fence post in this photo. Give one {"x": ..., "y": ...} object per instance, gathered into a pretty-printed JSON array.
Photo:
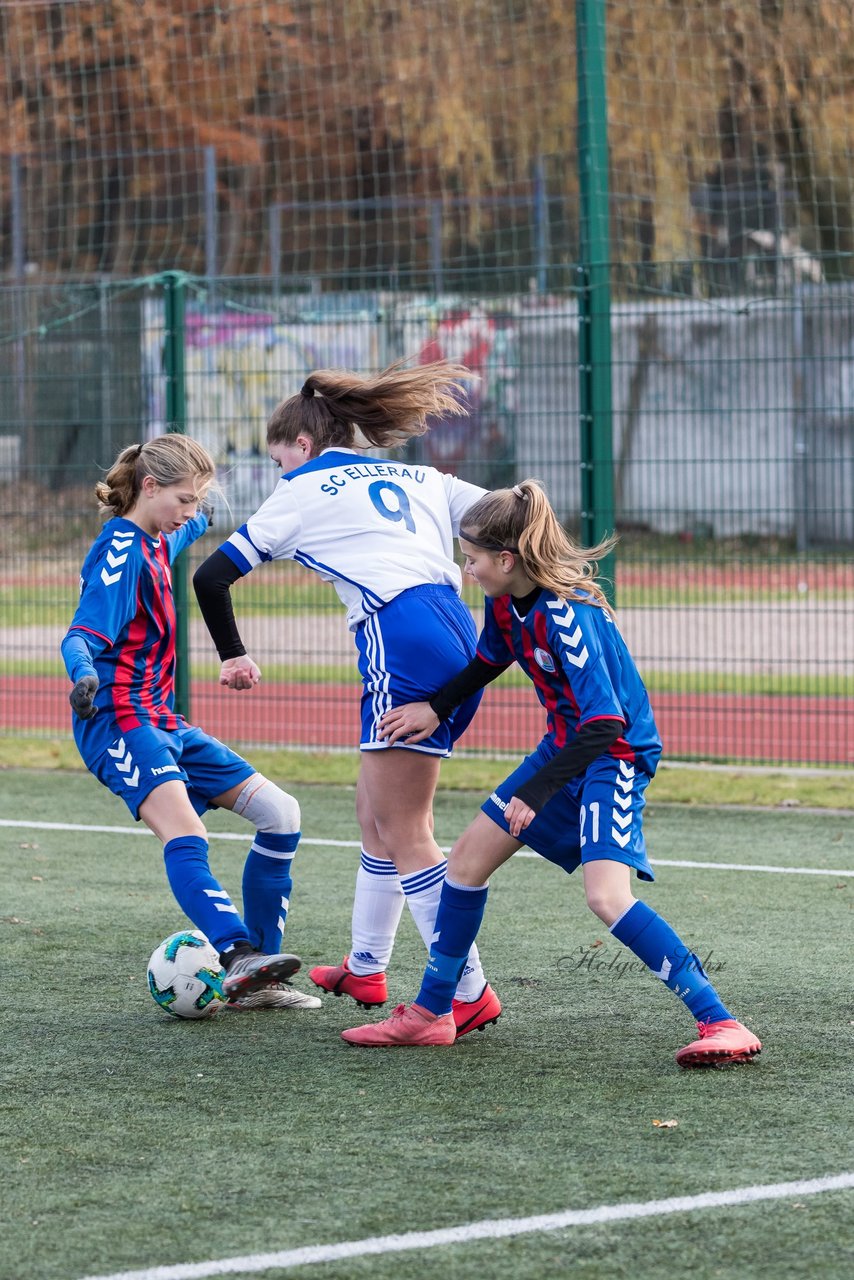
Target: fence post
[
  {"x": 174, "y": 302},
  {"x": 274, "y": 216},
  {"x": 211, "y": 221},
  {"x": 594, "y": 302},
  {"x": 541, "y": 225},
  {"x": 437, "y": 275},
  {"x": 801, "y": 460},
  {"x": 19, "y": 310}
]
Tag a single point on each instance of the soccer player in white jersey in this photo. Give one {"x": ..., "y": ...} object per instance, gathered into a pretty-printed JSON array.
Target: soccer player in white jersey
[{"x": 382, "y": 532}]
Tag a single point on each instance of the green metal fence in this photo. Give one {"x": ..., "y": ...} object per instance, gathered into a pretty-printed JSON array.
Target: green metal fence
[
  {"x": 634, "y": 224},
  {"x": 731, "y": 485}
]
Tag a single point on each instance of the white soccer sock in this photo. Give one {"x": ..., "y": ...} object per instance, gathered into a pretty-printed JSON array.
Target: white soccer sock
[
  {"x": 377, "y": 908},
  {"x": 423, "y": 890}
]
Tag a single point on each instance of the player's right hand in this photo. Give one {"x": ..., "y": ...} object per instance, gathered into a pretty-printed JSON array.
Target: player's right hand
[
  {"x": 411, "y": 723},
  {"x": 518, "y": 816},
  {"x": 82, "y": 697},
  {"x": 239, "y": 673}
]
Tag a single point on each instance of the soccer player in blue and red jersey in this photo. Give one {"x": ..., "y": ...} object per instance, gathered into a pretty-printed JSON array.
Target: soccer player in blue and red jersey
[
  {"x": 578, "y": 798},
  {"x": 120, "y": 655}
]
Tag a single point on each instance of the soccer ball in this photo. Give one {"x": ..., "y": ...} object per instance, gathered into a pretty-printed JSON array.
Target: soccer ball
[{"x": 185, "y": 976}]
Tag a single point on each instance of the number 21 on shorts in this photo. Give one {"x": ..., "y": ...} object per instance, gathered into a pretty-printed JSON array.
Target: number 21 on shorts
[{"x": 591, "y": 810}]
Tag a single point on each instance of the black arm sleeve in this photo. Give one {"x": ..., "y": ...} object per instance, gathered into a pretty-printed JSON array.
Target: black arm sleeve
[
  {"x": 212, "y": 583},
  {"x": 591, "y": 741},
  {"x": 477, "y": 675}
]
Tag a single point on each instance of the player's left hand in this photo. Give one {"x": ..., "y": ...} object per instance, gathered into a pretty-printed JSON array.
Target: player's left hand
[
  {"x": 518, "y": 816},
  {"x": 411, "y": 723},
  {"x": 82, "y": 697},
  {"x": 239, "y": 673}
]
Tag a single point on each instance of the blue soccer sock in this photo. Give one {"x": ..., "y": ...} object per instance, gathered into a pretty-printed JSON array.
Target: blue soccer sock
[
  {"x": 267, "y": 885},
  {"x": 199, "y": 895},
  {"x": 423, "y": 890},
  {"x": 663, "y": 951},
  {"x": 458, "y": 920}
]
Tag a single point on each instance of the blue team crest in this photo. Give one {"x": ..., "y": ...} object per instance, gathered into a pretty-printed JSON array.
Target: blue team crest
[{"x": 544, "y": 659}]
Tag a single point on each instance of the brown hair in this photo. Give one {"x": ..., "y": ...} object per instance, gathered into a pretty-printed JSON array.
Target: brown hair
[
  {"x": 169, "y": 459},
  {"x": 523, "y": 521},
  {"x": 387, "y": 408}
]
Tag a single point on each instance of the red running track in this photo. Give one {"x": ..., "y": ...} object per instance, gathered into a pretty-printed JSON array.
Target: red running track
[{"x": 771, "y": 730}]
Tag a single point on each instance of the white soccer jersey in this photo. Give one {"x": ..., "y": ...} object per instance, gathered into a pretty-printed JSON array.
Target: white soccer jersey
[{"x": 372, "y": 527}]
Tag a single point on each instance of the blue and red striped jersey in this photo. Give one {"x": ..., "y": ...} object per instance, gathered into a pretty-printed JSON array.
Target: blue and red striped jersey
[
  {"x": 127, "y": 610},
  {"x": 580, "y": 667}
]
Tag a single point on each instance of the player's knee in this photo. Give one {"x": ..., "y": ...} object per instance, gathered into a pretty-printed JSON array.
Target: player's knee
[
  {"x": 399, "y": 829},
  {"x": 267, "y": 806},
  {"x": 607, "y": 903},
  {"x": 397, "y": 825},
  {"x": 470, "y": 861},
  {"x": 364, "y": 815},
  {"x": 168, "y": 825}
]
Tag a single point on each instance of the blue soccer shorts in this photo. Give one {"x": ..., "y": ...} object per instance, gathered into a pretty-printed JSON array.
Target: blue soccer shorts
[
  {"x": 407, "y": 651},
  {"x": 598, "y": 815},
  {"x": 137, "y": 761}
]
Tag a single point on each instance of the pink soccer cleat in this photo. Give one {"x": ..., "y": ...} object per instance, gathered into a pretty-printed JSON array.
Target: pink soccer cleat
[
  {"x": 367, "y": 989},
  {"x": 721, "y": 1044},
  {"x": 406, "y": 1026},
  {"x": 477, "y": 1014}
]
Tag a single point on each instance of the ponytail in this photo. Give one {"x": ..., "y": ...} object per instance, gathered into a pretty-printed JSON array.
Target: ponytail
[
  {"x": 522, "y": 520},
  {"x": 386, "y": 410},
  {"x": 118, "y": 492}
]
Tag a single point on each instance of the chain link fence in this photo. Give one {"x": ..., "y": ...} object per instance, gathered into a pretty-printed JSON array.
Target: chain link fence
[{"x": 733, "y": 490}]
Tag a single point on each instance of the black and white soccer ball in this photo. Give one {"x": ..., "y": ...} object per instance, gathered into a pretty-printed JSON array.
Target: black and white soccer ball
[{"x": 185, "y": 976}]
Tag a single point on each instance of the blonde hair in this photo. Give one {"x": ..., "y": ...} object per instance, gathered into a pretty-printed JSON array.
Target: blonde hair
[
  {"x": 523, "y": 521},
  {"x": 387, "y": 409},
  {"x": 168, "y": 459}
]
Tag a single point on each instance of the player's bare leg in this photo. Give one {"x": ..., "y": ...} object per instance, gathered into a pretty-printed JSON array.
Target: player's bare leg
[{"x": 399, "y": 834}]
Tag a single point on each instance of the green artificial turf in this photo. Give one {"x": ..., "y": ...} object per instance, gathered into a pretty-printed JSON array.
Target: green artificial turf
[{"x": 130, "y": 1140}]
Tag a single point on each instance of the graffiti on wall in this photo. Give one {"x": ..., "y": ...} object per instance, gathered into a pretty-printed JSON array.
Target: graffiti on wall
[
  {"x": 480, "y": 447},
  {"x": 237, "y": 369}
]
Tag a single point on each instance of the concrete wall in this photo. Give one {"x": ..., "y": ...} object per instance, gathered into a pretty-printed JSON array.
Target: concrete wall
[{"x": 728, "y": 420}]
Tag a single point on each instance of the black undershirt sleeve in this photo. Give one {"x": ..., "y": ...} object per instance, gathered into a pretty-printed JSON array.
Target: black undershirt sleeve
[
  {"x": 212, "y": 583},
  {"x": 477, "y": 675},
  {"x": 591, "y": 741}
]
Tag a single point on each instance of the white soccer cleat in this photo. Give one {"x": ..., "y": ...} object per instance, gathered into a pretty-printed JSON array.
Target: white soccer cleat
[
  {"x": 250, "y": 971},
  {"x": 280, "y": 996}
]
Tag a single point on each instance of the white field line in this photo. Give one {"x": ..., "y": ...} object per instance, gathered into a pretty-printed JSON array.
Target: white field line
[
  {"x": 25, "y": 824},
  {"x": 498, "y": 1229},
  {"x": 144, "y": 831}
]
